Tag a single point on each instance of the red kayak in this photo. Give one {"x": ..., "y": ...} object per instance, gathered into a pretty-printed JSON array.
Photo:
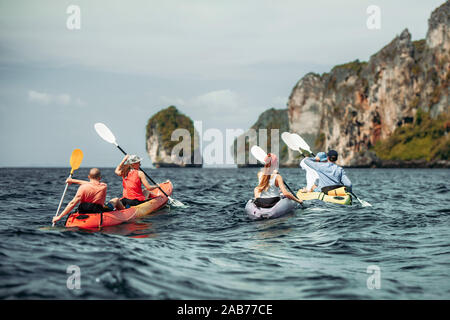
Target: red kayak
[{"x": 112, "y": 218}]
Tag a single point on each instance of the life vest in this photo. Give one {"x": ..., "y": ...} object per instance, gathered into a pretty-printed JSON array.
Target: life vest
[{"x": 132, "y": 186}]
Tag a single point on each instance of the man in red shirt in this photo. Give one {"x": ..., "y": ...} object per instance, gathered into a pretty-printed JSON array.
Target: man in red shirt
[{"x": 91, "y": 195}]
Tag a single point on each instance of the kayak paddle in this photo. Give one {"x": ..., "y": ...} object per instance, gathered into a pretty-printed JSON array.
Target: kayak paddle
[
  {"x": 75, "y": 161},
  {"x": 106, "y": 134},
  {"x": 295, "y": 142},
  {"x": 287, "y": 139},
  {"x": 260, "y": 155},
  {"x": 298, "y": 142}
]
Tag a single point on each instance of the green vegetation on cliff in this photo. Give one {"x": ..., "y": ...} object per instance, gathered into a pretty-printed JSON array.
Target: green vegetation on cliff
[
  {"x": 274, "y": 119},
  {"x": 425, "y": 139},
  {"x": 165, "y": 122},
  {"x": 319, "y": 144},
  {"x": 270, "y": 119},
  {"x": 355, "y": 66},
  {"x": 419, "y": 46}
]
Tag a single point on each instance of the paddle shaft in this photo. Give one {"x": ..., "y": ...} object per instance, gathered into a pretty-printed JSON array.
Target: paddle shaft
[
  {"x": 356, "y": 197},
  {"x": 289, "y": 188},
  {"x": 123, "y": 151},
  {"x": 62, "y": 198},
  {"x": 310, "y": 152}
]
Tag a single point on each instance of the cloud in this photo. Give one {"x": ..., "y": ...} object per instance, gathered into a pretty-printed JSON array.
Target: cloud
[
  {"x": 280, "y": 102},
  {"x": 42, "y": 98},
  {"x": 58, "y": 99},
  {"x": 223, "y": 108},
  {"x": 213, "y": 104},
  {"x": 207, "y": 104},
  {"x": 216, "y": 101},
  {"x": 171, "y": 101}
]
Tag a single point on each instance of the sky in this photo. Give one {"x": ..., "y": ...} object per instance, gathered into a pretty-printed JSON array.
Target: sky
[{"x": 219, "y": 62}]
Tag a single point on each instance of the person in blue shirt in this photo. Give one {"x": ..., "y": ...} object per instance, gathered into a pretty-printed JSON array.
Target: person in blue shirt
[{"x": 330, "y": 174}]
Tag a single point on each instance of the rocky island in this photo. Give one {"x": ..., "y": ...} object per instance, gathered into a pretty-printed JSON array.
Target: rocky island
[{"x": 159, "y": 144}]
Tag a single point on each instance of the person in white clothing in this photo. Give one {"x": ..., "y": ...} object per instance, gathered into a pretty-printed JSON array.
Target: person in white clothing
[
  {"x": 312, "y": 177},
  {"x": 271, "y": 184}
]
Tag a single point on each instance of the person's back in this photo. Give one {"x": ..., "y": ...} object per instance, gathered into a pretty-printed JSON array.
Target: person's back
[
  {"x": 132, "y": 180},
  {"x": 330, "y": 174},
  {"x": 270, "y": 185},
  {"x": 92, "y": 196},
  {"x": 272, "y": 191},
  {"x": 132, "y": 186}
]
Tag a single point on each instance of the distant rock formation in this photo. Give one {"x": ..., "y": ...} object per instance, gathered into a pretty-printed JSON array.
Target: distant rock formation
[
  {"x": 358, "y": 106},
  {"x": 264, "y": 137},
  {"x": 159, "y": 144}
]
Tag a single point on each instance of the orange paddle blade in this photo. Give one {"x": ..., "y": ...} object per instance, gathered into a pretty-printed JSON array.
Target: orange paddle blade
[{"x": 76, "y": 159}]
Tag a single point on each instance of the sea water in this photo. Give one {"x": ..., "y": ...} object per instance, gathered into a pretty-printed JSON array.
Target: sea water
[{"x": 399, "y": 248}]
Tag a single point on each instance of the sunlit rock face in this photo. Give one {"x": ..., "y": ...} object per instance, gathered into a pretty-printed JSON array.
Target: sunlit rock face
[{"x": 356, "y": 104}]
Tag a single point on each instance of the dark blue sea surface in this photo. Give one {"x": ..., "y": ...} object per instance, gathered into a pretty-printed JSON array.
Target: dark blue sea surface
[{"x": 212, "y": 250}]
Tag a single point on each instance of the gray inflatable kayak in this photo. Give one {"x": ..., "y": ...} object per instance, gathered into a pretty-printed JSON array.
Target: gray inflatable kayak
[{"x": 284, "y": 206}]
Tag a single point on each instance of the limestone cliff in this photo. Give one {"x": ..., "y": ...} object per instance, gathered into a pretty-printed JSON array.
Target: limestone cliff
[
  {"x": 159, "y": 143},
  {"x": 360, "y": 105}
]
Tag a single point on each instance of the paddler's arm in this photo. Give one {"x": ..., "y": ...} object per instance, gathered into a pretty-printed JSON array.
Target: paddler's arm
[
  {"x": 284, "y": 190},
  {"x": 256, "y": 191},
  {"x": 119, "y": 168},
  {"x": 312, "y": 163},
  {"x": 76, "y": 181},
  {"x": 144, "y": 181},
  {"x": 69, "y": 207},
  {"x": 346, "y": 181}
]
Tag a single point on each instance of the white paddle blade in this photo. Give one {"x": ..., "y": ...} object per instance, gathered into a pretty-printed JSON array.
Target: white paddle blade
[
  {"x": 104, "y": 132},
  {"x": 299, "y": 142},
  {"x": 286, "y": 137},
  {"x": 364, "y": 203},
  {"x": 176, "y": 203},
  {"x": 258, "y": 153}
]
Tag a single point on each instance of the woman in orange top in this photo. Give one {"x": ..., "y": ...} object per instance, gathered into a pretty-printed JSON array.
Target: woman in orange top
[{"x": 132, "y": 181}]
